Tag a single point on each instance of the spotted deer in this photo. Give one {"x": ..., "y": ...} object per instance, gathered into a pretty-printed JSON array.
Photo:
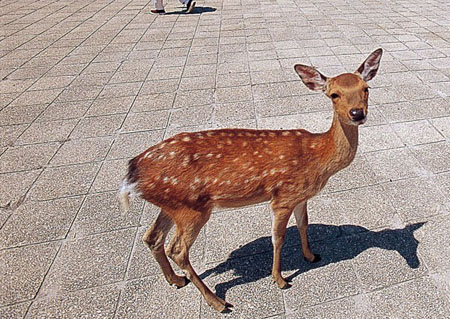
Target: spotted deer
[{"x": 189, "y": 174}]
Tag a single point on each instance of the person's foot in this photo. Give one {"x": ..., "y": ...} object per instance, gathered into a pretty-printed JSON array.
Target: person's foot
[
  {"x": 158, "y": 11},
  {"x": 190, "y": 6}
]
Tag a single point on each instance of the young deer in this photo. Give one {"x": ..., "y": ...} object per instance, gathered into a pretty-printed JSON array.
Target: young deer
[{"x": 189, "y": 174}]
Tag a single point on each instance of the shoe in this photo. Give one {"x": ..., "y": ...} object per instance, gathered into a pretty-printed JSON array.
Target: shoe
[
  {"x": 158, "y": 11},
  {"x": 190, "y": 6}
]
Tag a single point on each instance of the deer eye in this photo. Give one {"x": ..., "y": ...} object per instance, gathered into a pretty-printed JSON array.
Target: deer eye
[
  {"x": 334, "y": 96},
  {"x": 366, "y": 90}
]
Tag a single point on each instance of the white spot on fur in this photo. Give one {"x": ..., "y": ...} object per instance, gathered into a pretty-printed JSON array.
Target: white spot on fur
[
  {"x": 218, "y": 155},
  {"x": 273, "y": 171},
  {"x": 244, "y": 144},
  {"x": 229, "y": 141},
  {"x": 173, "y": 142},
  {"x": 186, "y": 139},
  {"x": 162, "y": 145},
  {"x": 165, "y": 179},
  {"x": 281, "y": 157},
  {"x": 286, "y": 133},
  {"x": 196, "y": 156},
  {"x": 209, "y": 155},
  {"x": 298, "y": 133},
  {"x": 172, "y": 154}
]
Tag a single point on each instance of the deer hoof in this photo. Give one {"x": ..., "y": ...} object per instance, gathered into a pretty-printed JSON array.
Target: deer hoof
[
  {"x": 183, "y": 283},
  {"x": 316, "y": 259}
]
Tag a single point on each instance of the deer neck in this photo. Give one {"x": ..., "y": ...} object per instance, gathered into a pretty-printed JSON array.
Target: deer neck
[{"x": 344, "y": 137}]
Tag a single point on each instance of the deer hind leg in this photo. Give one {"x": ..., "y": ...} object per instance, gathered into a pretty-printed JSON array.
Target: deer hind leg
[
  {"x": 301, "y": 217},
  {"x": 188, "y": 227},
  {"x": 280, "y": 220},
  {"x": 154, "y": 238}
]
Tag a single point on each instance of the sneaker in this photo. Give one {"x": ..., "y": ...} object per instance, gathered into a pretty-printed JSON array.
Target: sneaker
[
  {"x": 158, "y": 11},
  {"x": 190, "y": 6}
]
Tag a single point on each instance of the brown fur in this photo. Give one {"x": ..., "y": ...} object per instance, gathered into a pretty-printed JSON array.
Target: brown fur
[{"x": 191, "y": 173}]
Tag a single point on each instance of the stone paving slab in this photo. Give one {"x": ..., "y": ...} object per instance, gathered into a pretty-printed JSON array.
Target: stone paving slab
[{"x": 86, "y": 85}]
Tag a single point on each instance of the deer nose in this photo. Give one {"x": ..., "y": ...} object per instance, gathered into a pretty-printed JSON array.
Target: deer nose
[{"x": 357, "y": 114}]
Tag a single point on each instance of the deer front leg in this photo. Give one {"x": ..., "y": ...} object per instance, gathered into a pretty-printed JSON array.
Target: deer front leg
[
  {"x": 280, "y": 220},
  {"x": 301, "y": 217}
]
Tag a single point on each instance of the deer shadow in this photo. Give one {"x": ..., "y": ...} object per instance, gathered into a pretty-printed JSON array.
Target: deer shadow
[
  {"x": 196, "y": 10},
  {"x": 253, "y": 261}
]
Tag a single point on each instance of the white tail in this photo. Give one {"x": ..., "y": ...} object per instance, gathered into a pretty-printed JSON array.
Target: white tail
[{"x": 189, "y": 174}]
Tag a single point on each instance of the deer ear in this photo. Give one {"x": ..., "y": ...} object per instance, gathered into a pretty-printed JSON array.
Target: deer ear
[
  {"x": 369, "y": 68},
  {"x": 312, "y": 78}
]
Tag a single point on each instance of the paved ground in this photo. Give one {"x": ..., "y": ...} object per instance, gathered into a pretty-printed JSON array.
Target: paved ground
[{"x": 88, "y": 84}]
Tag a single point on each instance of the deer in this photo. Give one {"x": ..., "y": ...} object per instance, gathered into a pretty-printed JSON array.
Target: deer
[{"x": 189, "y": 174}]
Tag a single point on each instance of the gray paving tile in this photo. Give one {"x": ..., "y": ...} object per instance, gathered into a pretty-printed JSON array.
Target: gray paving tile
[
  {"x": 65, "y": 110},
  {"x": 417, "y": 132},
  {"x": 41, "y": 132},
  {"x": 234, "y": 111},
  {"x": 64, "y": 181},
  {"x": 82, "y": 151},
  {"x": 152, "y": 297},
  {"x": 9, "y": 134},
  {"x": 89, "y": 303},
  {"x": 374, "y": 138},
  {"x": 144, "y": 121},
  {"x": 434, "y": 157},
  {"x": 144, "y": 103},
  {"x": 322, "y": 284},
  {"x": 442, "y": 124},
  {"x": 366, "y": 207},
  {"x": 12, "y": 115},
  {"x": 98, "y": 126},
  {"x": 131, "y": 144},
  {"x": 394, "y": 164},
  {"x": 219, "y": 247},
  {"x": 432, "y": 238},
  {"x": 391, "y": 257},
  {"x": 36, "y": 222},
  {"x": 89, "y": 262},
  {"x": 110, "y": 175},
  {"x": 357, "y": 174},
  {"x": 11, "y": 192},
  {"x": 193, "y": 98},
  {"x": 246, "y": 286},
  {"x": 101, "y": 212},
  {"x": 352, "y": 307},
  {"x": 15, "y": 311},
  {"x": 415, "y": 198},
  {"x": 23, "y": 270},
  {"x": 415, "y": 299},
  {"x": 27, "y": 157},
  {"x": 196, "y": 115}
]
